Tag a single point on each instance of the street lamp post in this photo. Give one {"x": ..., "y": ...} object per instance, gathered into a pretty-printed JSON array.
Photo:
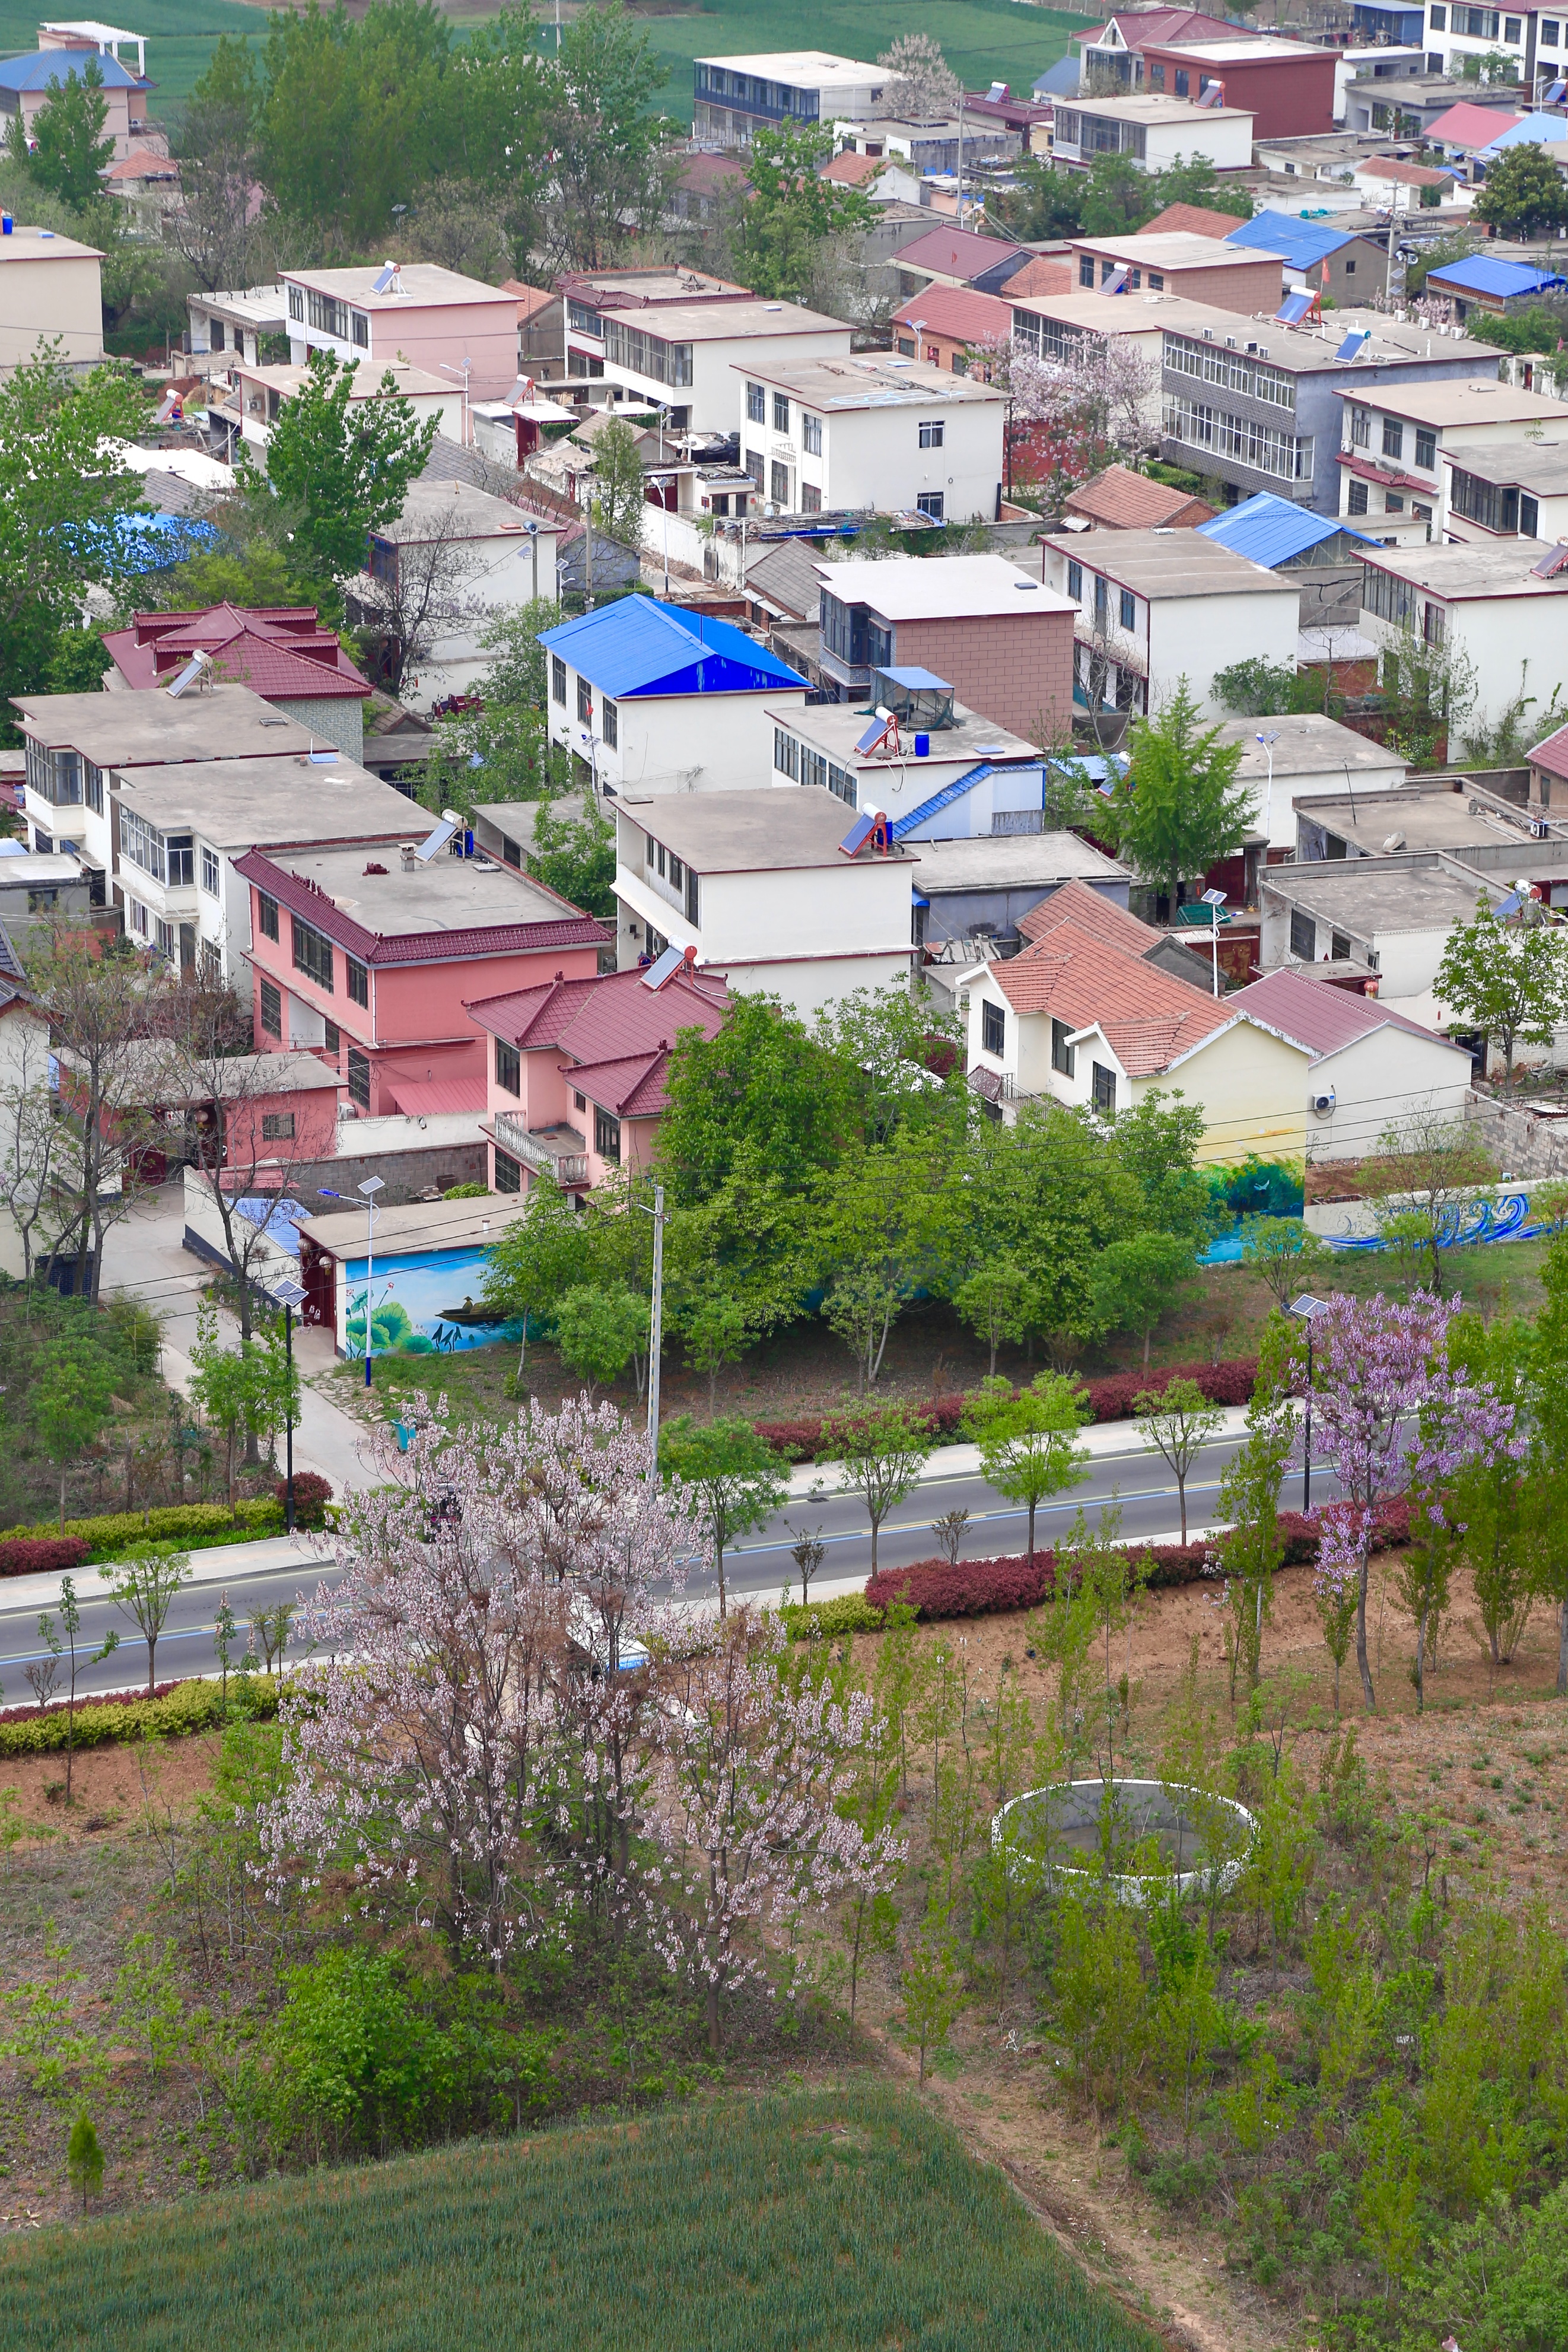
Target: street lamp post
[
  {"x": 1214, "y": 901},
  {"x": 533, "y": 531},
  {"x": 289, "y": 1295},
  {"x": 1268, "y": 741},
  {"x": 1306, "y": 1309},
  {"x": 368, "y": 1190}
]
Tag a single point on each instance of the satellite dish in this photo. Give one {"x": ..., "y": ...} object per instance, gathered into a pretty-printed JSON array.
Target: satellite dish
[{"x": 1395, "y": 841}]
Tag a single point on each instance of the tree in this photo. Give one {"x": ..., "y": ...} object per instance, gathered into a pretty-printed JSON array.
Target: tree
[
  {"x": 715, "y": 1330},
  {"x": 920, "y": 82},
  {"x": 68, "y": 1396},
  {"x": 225, "y": 1388},
  {"x": 537, "y": 1259},
  {"x": 763, "y": 1088},
  {"x": 1179, "y": 809},
  {"x": 1382, "y": 1374},
  {"x": 1524, "y": 194},
  {"x": 70, "y": 153},
  {"x": 619, "y": 494},
  {"x": 1117, "y": 197},
  {"x": 402, "y": 610},
  {"x": 145, "y": 1585},
  {"x": 611, "y": 160},
  {"x": 879, "y": 1453},
  {"x": 214, "y": 228},
  {"x": 62, "y": 485},
  {"x": 931, "y": 1982},
  {"x": 1096, "y": 403},
  {"x": 1190, "y": 180},
  {"x": 1136, "y": 1281},
  {"x": 1545, "y": 1480},
  {"x": 1418, "y": 1181},
  {"x": 1284, "y": 1255},
  {"x": 575, "y": 855},
  {"x": 1426, "y": 690},
  {"x": 1251, "y": 1551},
  {"x": 70, "y": 1625},
  {"x": 1026, "y": 1440},
  {"x": 36, "y": 1144},
  {"x": 1042, "y": 204},
  {"x": 1256, "y": 689},
  {"x": 337, "y": 468},
  {"x": 1508, "y": 980},
  {"x": 84, "y": 2159},
  {"x": 882, "y": 1217},
  {"x": 1178, "y": 1421},
  {"x": 599, "y": 1331},
  {"x": 787, "y": 212},
  {"x": 991, "y": 1301},
  {"x": 737, "y": 1476}
]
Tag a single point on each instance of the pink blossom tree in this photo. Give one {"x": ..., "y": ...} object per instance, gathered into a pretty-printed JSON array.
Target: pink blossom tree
[
  {"x": 1393, "y": 1416},
  {"x": 1093, "y": 404},
  {"x": 750, "y": 1794}
]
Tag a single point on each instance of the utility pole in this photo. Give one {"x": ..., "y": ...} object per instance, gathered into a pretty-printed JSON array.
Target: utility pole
[
  {"x": 656, "y": 1324},
  {"x": 960, "y": 155}
]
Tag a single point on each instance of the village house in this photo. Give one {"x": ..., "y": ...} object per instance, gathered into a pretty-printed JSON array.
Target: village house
[
  {"x": 1000, "y": 640},
  {"x": 414, "y": 314}
]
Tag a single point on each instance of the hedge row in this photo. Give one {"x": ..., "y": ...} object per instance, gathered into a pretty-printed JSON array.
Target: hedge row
[
  {"x": 175, "y": 1710},
  {"x": 106, "y": 1536},
  {"x": 985, "y": 1588},
  {"x": 1109, "y": 1399},
  {"x": 40, "y": 1555}
]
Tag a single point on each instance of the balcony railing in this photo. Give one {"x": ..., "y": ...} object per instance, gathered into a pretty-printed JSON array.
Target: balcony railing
[{"x": 559, "y": 1152}]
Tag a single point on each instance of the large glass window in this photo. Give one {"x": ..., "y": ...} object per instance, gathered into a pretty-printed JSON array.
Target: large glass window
[
  {"x": 180, "y": 852},
  {"x": 508, "y": 1067},
  {"x": 993, "y": 1028},
  {"x": 756, "y": 405},
  {"x": 1425, "y": 450},
  {"x": 1216, "y": 363},
  {"x": 1389, "y": 597},
  {"x": 266, "y": 915},
  {"x": 312, "y": 954},
  {"x": 643, "y": 354},
  {"x": 607, "y": 1136},
  {"x": 1393, "y": 437},
  {"x": 328, "y": 315},
  {"x": 356, "y": 980},
  {"x": 508, "y": 1173}
]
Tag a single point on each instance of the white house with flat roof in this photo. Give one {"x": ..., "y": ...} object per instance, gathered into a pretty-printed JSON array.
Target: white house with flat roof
[
  {"x": 683, "y": 355},
  {"x": 229, "y": 326},
  {"x": 258, "y": 392},
  {"x": 824, "y": 744},
  {"x": 1400, "y": 441},
  {"x": 441, "y": 570},
  {"x": 51, "y": 291},
  {"x": 873, "y": 434},
  {"x": 1516, "y": 485},
  {"x": 413, "y": 311},
  {"x": 1500, "y": 607},
  {"x": 1155, "y": 131},
  {"x": 1300, "y": 757},
  {"x": 1156, "y": 606},
  {"x": 789, "y": 894},
  {"x": 734, "y": 98}
]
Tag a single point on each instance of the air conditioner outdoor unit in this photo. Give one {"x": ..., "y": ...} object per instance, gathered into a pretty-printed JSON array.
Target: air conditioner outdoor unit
[{"x": 1323, "y": 1102}]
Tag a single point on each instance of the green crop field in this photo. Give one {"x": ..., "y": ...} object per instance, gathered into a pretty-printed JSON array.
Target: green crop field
[
  {"x": 839, "y": 2220},
  {"x": 180, "y": 37}
]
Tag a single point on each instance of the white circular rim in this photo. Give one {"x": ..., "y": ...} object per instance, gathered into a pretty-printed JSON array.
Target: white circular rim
[{"x": 1132, "y": 1887}]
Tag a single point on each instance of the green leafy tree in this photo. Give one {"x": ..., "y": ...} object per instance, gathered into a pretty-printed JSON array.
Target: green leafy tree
[
  {"x": 1117, "y": 197},
  {"x": 763, "y": 1088},
  {"x": 1179, "y": 807},
  {"x": 1027, "y": 1450},
  {"x": 1507, "y": 982},
  {"x": 1178, "y": 1421},
  {"x": 1138, "y": 1281},
  {"x": 1524, "y": 194},
  {"x": 1284, "y": 1255},
  {"x": 1157, "y": 1142},
  {"x": 230, "y": 1387},
  {"x": 600, "y": 1331},
  {"x": 993, "y": 1302},
  {"x": 1042, "y": 204},
  {"x": 611, "y": 160},
  {"x": 70, "y": 153},
  {"x": 883, "y": 1233},
  {"x": 337, "y": 468},
  {"x": 84, "y": 2159},
  {"x": 147, "y": 2001},
  {"x": 1420, "y": 1176},
  {"x": 789, "y": 211},
  {"x": 575, "y": 855},
  {"x": 1191, "y": 180},
  {"x": 347, "y": 112},
  {"x": 68, "y": 1396},
  {"x": 739, "y": 1478},
  {"x": 931, "y": 1982},
  {"x": 1252, "y": 1549},
  {"x": 879, "y": 1453},
  {"x": 1262, "y": 689},
  {"x": 715, "y": 1330},
  {"x": 618, "y": 495},
  {"x": 145, "y": 1585},
  {"x": 1051, "y": 1193}
]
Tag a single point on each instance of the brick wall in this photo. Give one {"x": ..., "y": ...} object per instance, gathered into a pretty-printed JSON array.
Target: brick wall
[
  {"x": 1257, "y": 287},
  {"x": 1015, "y": 671}
]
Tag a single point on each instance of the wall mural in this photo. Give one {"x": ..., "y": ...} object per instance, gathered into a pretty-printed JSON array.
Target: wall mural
[{"x": 421, "y": 1305}]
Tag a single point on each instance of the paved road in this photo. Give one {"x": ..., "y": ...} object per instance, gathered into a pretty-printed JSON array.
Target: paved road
[{"x": 256, "y": 1576}]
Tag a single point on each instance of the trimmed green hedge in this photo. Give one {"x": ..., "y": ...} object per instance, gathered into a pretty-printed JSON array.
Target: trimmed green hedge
[
  {"x": 178, "y": 1523},
  {"x": 825, "y": 1620},
  {"x": 189, "y": 1707}
]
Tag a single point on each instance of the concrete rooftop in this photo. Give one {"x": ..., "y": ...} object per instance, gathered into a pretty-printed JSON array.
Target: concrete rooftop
[
  {"x": 138, "y": 731},
  {"x": 246, "y": 803},
  {"x": 788, "y": 828},
  {"x": 449, "y": 893},
  {"x": 1372, "y": 895}
]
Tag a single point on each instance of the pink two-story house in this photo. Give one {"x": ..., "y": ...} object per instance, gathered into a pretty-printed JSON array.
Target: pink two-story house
[
  {"x": 367, "y": 958},
  {"x": 577, "y": 1070},
  {"x": 432, "y": 319}
]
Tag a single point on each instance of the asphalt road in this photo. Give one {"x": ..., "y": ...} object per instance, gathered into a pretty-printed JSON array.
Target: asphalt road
[{"x": 257, "y": 1576}]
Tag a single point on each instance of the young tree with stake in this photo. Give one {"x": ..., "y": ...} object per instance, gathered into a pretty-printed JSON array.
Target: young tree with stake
[
  {"x": 737, "y": 1477},
  {"x": 880, "y": 1454},
  {"x": 70, "y": 1625},
  {"x": 1178, "y": 1420},
  {"x": 1027, "y": 1450}
]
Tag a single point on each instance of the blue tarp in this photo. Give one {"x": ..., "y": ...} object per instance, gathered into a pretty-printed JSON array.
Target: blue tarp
[
  {"x": 1478, "y": 273},
  {"x": 1301, "y": 243},
  {"x": 641, "y": 646},
  {"x": 1273, "y": 531}
]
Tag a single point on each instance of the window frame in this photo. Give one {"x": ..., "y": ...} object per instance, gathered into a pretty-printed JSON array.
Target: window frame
[
  {"x": 356, "y": 981},
  {"x": 508, "y": 1063},
  {"x": 358, "y": 1077},
  {"x": 933, "y": 433},
  {"x": 993, "y": 1027},
  {"x": 558, "y": 680},
  {"x": 312, "y": 954},
  {"x": 1102, "y": 1089},
  {"x": 267, "y": 922},
  {"x": 211, "y": 871},
  {"x": 607, "y": 1135},
  {"x": 269, "y": 1010},
  {"x": 509, "y": 1171},
  {"x": 277, "y": 1126}
]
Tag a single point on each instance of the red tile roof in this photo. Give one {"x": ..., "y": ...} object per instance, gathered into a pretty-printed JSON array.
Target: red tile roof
[
  {"x": 1551, "y": 753},
  {"x": 957, "y": 253},
  {"x": 852, "y": 170},
  {"x": 280, "y": 652},
  {"x": 1409, "y": 175},
  {"x": 1190, "y": 220},
  {"x": 1469, "y": 125},
  {"x": 1046, "y": 273},
  {"x": 1321, "y": 1018},
  {"x": 1146, "y": 1016},
  {"x": 1075, "y": 902},
  {"x": 425, "y": 1098},
  {"x": 1153, "y": 28},
  {"x": 1123, "y": 500},
  {"x": 530, "y": 299},
  {"x": 958, "y": 313},
  {"x": 617, "y": 1032}
]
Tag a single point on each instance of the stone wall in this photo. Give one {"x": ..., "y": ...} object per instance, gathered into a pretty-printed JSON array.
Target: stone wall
[{"x": 1523, "y": 1142}]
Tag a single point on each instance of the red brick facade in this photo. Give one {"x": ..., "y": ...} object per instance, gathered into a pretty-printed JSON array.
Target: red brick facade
[{"x": 1016, "y": 670}]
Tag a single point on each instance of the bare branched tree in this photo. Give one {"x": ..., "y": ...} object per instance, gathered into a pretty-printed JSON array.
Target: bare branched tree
[
  {"x": 36, "y": 1147},
  {"x": 213, "y": 225},
  {"x": 424, "y": 592}
]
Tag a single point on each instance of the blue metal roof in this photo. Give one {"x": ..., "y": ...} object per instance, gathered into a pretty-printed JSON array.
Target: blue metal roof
[
  {"x": 1478, "y": 273},
  {"x": 1535, "y": 130},
  {"x": 1270, "y": 530},
  {"x": 40, "y": 67},
  {"x": 1300, "y": 242},
  {"x": 641, "y": 646},
  {"x": 1060, "y": 80},
  {"x": 1096, "y": 767}
]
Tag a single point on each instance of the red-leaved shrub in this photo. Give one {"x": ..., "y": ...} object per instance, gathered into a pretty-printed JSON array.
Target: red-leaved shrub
[
  {"x": 89, "y": 1699},
  {"x": 313, "y": 1492},
  {"x": 40, "y": 1555}
]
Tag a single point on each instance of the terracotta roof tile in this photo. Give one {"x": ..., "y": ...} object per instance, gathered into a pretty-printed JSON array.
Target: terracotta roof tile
[
  {"x": 603, "y": 1019},
  {"x": 852, "y": 170},
  {"x": 960, "y": 313},
  {"x": 1124, "y": 500},
  {"x": 1146, "y": 1015},
  {"x": 280, "y": 652},
  {"x": 1190, "y": 220},
  {"x": 1047, "y": 273},
  {"x": 1089, "y": 910},
  {"x": 1553, "y": 754},
  {"x": 1323, "y": 1018}
]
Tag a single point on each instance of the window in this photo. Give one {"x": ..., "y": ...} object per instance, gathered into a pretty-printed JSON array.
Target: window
[
  {"x": 266, "y": 915},
  {"x": 1551, "y": 33},
  {"x": 140, "y": 921},
  {"x": 1156, "y": 281},
  {"x": 811, "y": 435},
  {"x": 356, "y": 980},
  {"x": 312, "y": 954},
  {"x": 933, "y": 435},
  {"x": 557, "y": 679},
  {"x": 678, "y": 872},
  {"x": 141, "y": 844},
  {"x": 640, "y": 353},
  {"x": 1356, "y": 500},
  {"x": 692, "y": 915},
  {"x": 1393, "y": 437},
  {"x": 610, "y": 725},
  {"x": 786, "y": 755},
  {"x": 1438, "y": 19},
  {"x": 209, "y": 871},
  {"x": 1389, "y": 597},
  {"x": 1102, "y": 1084},
  {"x": 1086, "y": 270},
  {"x": 1061, "y": 1054},
  {"x": 607, "y": 1136},
  {"x": 1434, "y": 623},
  {"x": 333, "y": 1040},
  {"x": 930, "y": 503},
  {"x": 1510, "y": 28},
  {"x": 1129, "y": 609},
  {"x": 271, "y": 1010},
  {"x": 993, "y": 1028},
  {"x": 584, "y": 321},
  {"x": 1529, "y": 517},
  {"x": 842, "y": 785},
  {"x": 756, "y": 405},
  {"x": 1075, "y": 582},
  {"x": 753, "y": 462},
  {"x": 584, "y": 701},
  {"x": 180, "y": 849},
  {"x": 1156, "y": 77},
  {"x": 508, "y": 1067},
  {"x": 781, "y": 412},
  {"x": 94, "y": 787},
  {"x": 778, "y": 489},
  {"x": 1392, "y": 503},
  {"x": 1101, "y": 601},
  {"x": 1183, "y": 82},
  {"x": 328, "y": 315},
  {"x": 1360, "y": 428},
  {"x": 509, "y": 1174},
  {"x": 1303, "y": 936},
  {"x": 580, "y": 1102},
  {"x": 810, "y": 498},
  {"x": 359, "y": 329},
  {"x": 297, "y": 303},
  {"x": 1425, "y": 450},
  {"x": 1349, "y": 269},
  {"x": 360, "y": 1078},
  {"x": 277, "y": 1126}
]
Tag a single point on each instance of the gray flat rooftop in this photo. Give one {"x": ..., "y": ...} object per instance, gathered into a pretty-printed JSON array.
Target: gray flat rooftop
[
  {"x": 1175, "y": 250},
  {"x": 1302, "y": 351},
  {"x": 1011, "y": 861},
  {"x": 835, "y": 728},
  {"x": 1503, "y": 567},
  {"x": 449, "y": 893},
  {"x": 138, "y": 731},
  {"x": 1308, "y": 744},
  {"x": 1371, "y": 895},
  {"x": 785, "y": 828},
  {"x": 947, "y": 588},
  {"x": 1465, "y": 402},
  {"x": 33, "y": 871},
  {"x": 834, "y": 384},
  {"x": 421, "y": 1226},
  {"x": 517, "y": 819},
  {"x": 1417, "y": 817},
  {"x": 430, "y": 511},
  {"x": 1540, "y": 467},
  {"x": 1160, "y": 563},
  {"x": 249, "y": 804},
  {"x": 1152, "y": 107}
]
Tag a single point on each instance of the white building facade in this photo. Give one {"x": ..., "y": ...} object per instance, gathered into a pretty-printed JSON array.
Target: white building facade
[{"x": 880, "y": 436}]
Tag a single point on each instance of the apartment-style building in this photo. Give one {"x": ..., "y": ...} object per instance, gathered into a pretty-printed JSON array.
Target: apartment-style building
[
  {"x": 886, "y": 434},
  {"x": 1152, "y": 607},
  {"x": 1400, "y": 443},
  {"x": 415, "y": 313}
]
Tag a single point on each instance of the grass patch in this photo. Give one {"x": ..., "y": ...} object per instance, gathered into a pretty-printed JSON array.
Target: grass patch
[{"x": 845, "y": 2218}]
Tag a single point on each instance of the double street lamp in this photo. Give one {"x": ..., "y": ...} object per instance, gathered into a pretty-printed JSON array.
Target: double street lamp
[
  {"x": 368, "y": 1190},
  {"x": 289, "y": 1295},
  {"x": 1306, "y": 1309}
]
